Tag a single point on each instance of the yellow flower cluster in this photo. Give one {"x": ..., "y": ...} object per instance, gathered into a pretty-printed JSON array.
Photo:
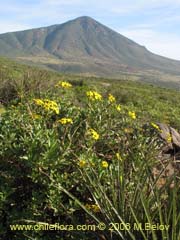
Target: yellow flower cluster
[
  {"x": 51, "y": 105},
  {"x": 94, "y": 96},
  {"x": 104, "y": 164},
  {"x": 111, "y": 98},
  {"x": 118, "y": 156},
  {"x": 38, "y": 102},
  {"x": 169, "y": 138},
  {"x": 47, "y": 105},
  {"x": 118, "y": 107},
  {"x": 82, "y": 163},
  {"x": 94, "y": 207},
  {"x": 64, "y": 85},
  {"x": 93, "y": 134},
  {"x": 155, "y": 126},
  {"x": 36, "y": 116},
  {"x": 132, "y": 114},
  {"x": 65, "y": 121}
]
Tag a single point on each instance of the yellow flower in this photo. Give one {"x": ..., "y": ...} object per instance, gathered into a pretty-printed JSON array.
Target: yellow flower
[
  {"x": 118, "y": 156},
  {"x": 132, "y": 114},
  {"x": 121, "y": 179},
  {"x": 93, "y": 95},
  {"x": 155, "y": 126},
  {"x": 93, "y": 134},
  {"x": 92, "y": 164},
  {"x": 47, "y": 105},
  {"x": 104, "y": 164},
  {"x": 64, "y": 85},
  {"x": 111, "y": 98},
  {"x": 82, "y": 163},
  {"x": 88, "y": 206},
  {"x": 65, "y": 121},
  {"x": 169, "y": 138},
  {"x": 51, "y": 105},
  {"x": 94, "y": 207},
  {"x": 118, "y": 107},
  {"x": 38, "y": 102},
  {"x": 36, "y": 116}
]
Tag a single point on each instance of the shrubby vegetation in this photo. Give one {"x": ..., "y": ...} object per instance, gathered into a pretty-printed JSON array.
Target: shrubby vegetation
[{"x": 82, "y": 152}]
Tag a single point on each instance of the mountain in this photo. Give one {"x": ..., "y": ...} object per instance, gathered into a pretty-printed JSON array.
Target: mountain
[{"x": 86, "y": 46}]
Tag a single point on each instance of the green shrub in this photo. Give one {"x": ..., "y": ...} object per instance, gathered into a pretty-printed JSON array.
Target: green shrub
[{"x": 86, "y": 160}]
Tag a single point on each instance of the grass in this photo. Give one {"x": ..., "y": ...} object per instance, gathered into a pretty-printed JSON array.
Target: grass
[{"x": 74, "y": 158}]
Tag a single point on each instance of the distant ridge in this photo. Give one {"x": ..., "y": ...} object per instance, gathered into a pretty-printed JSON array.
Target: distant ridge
[{"x": 83, "y": 45}]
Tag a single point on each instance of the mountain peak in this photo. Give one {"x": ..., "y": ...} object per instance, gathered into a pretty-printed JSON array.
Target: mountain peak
[
  {"x": 85, "y": 18},
  {"x": 82, "y": 45}
]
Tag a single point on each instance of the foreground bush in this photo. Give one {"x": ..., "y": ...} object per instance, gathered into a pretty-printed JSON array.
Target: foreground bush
[{"x": 82, "y": 162}]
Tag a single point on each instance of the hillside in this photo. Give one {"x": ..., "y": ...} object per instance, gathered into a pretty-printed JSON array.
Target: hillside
[
  {"x": 83, "y": 150},
  {"x": 85, "y": 46},
  {"x": 153, "y": 102}
]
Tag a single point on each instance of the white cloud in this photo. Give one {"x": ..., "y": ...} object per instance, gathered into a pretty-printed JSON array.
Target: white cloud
[
  {"x": 60, "y": 3},
  {"x": 12, "y": 27},
  {"x": 136, "y": 6},
  {"x": 164, "y": 44}
]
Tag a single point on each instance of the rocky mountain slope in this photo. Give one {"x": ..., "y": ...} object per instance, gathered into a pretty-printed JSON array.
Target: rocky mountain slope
[{"x": 83, "y": 45}]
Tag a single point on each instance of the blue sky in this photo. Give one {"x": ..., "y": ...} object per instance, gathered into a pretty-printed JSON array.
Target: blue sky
[{"x": 152, "y": 23}]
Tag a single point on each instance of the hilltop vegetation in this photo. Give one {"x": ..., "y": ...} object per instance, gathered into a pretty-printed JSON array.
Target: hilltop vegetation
[
  {"x": 152, "y": 102},
  {"x": 80, "y": 151}
]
